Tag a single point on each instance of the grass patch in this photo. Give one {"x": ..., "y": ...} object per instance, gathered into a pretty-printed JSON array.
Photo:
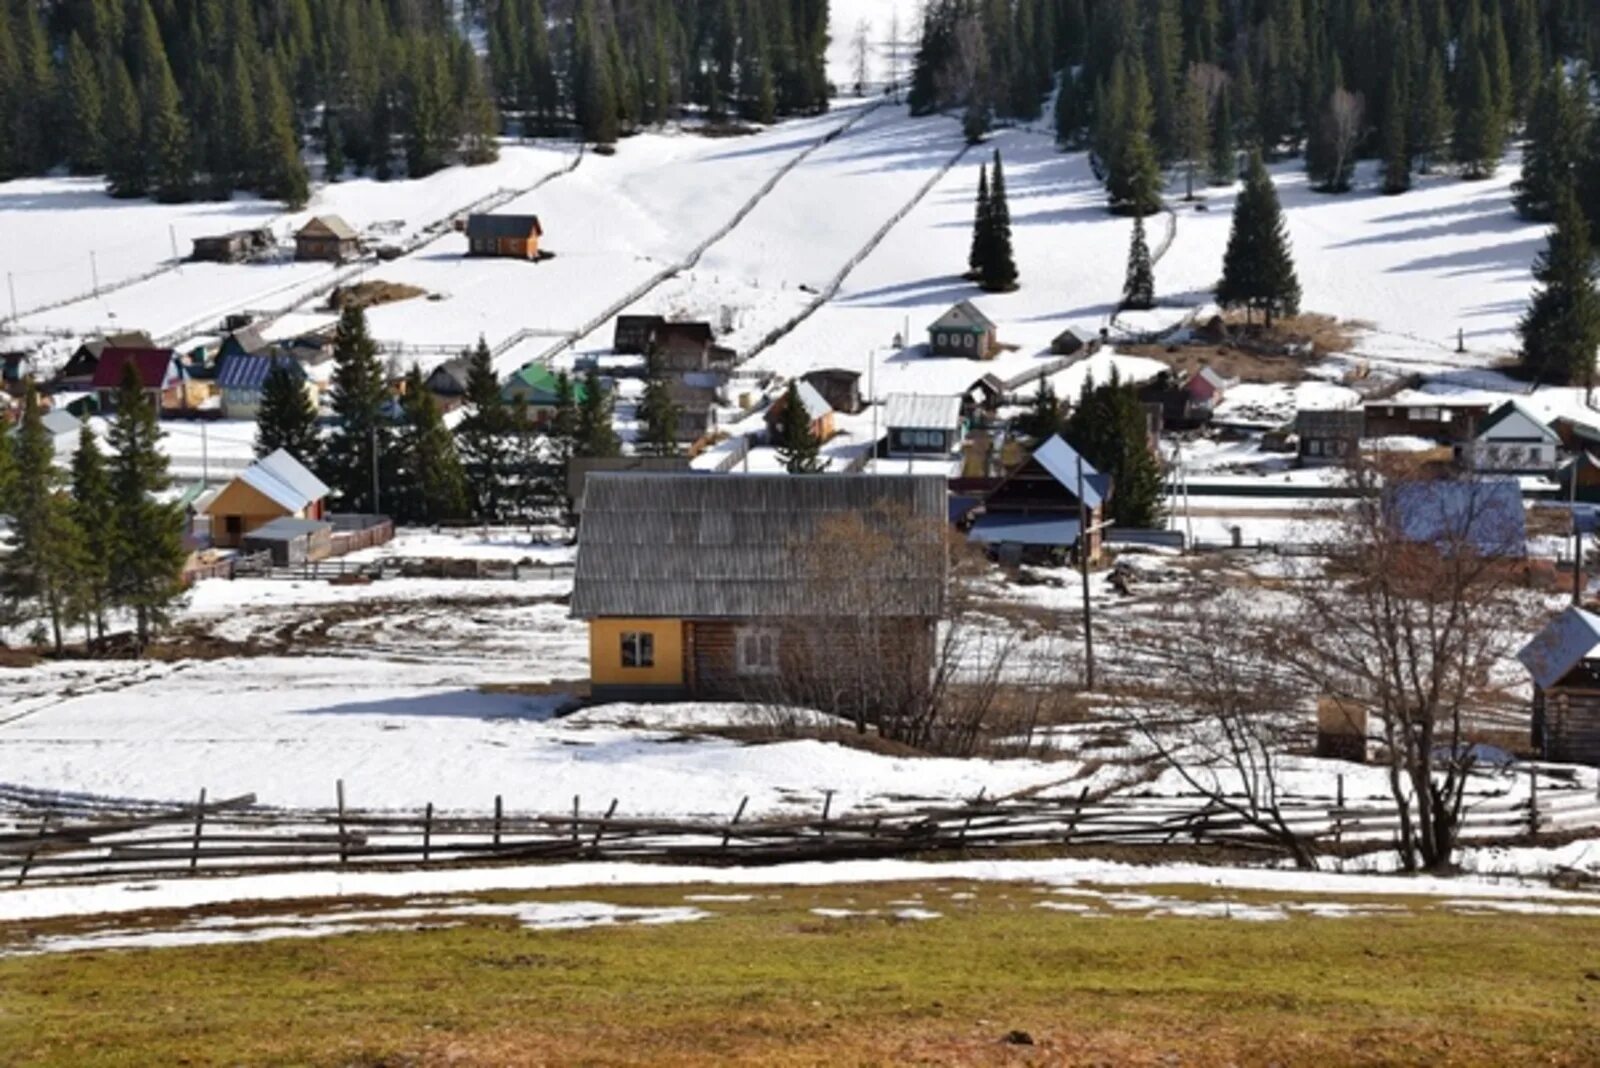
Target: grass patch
[{"x": 769, "y": 981}]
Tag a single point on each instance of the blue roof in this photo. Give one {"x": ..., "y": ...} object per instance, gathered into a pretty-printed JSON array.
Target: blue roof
[
  {"x": 1025, "y": 530},
  {"x": 250, "y": 372},
  {"x": 1061, "y": 460},
  {"x": 1568, "y": 640},
  {"x": 1486, "y": 514}
]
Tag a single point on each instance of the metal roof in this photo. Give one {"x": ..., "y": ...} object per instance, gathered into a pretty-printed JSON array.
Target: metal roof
[
  {"x": 703, "y": 546},
  {"x": 1486, "y": 514},
  {"x": 1566, "y": 641},
  {"x": 1511, "y": 408},
  {"x": 1004, "y": 529},
  {"x": 497, "y": 226},
  {"x": 332, "y": 225},
  {"x": 250, "y": 372},
  {"x": 287, "y": 528},
  {"x": 1061, "y": 460},
  {"x": 963, "y": 316},
  {"x": 811, "y": 400},
  {"x": 284, "y": 480},
  {"x": 917, "y": 411}
]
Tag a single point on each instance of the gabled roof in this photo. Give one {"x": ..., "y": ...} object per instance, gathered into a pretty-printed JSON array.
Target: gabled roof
[
  {"x": 1512, "y": 412},
  {"x": 1061, "y": 461},
  {"x": 696, "y": 333},
  {"x": 963, "y": 316},
  {"x": 250, "y": 372},
  {"x": 60, "y": 423},
  {"x": 497, "y": 226},
  {"x": 249, "y": 339},
  {"x": 1484, "y": 514},
  {"x": 151, "y": 364},
  {"x": 917, "y": 411},
  {"x": 705, "y": 546},
  {"x": 450, "y": 376},
  {"x": 287, "y": 528},
  {"x": 328, "y": 226},
  {"x": 284, "y": 480},
  {"x": 1566, "y": 641},
  {"x": 1210, "y": 378},
  {"x": 540, "y": 383},
  {"x": 811, "y": 400}
]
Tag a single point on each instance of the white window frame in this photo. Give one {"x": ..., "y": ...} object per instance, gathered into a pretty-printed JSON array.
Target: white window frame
[
  {"x": 755, "y": 651},
  {"x": 639, "y": 647}
]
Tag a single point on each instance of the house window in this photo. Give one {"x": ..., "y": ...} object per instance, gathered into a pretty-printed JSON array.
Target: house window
[
  {"x": 638, "y": 649},
  {"x": 972, "y": 341},
  {"x": 233, "y": 525},
  {"x": 1313, "y": 448},
  {"x": 941, "y": 340},
  {"x": 757, "y": 651}
]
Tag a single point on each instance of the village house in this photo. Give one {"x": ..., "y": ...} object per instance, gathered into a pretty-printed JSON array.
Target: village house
[
  {"x": 964, "y": 331},
  {"x": 239, "y": 246},
  {"x": 738, "y": 587},
  {"x": 535, "y": 386},
  {"x": 448, "y": 381},
  {"x": 1564, "y": 663},
  {"x": 697, "y": 410},
  {"x": 274, "y": 487},
  {"x": 505, "y": 236},
  {"x": 1036, "y": 513},
  {"x": 242, "y": 381},
  {"x": 920, "y": 425},
  {"x": 982, "y": 400},
  {"x": 1512, "y": 440},
  {"x": 1436, "y": 417},
  {"x": 1329, "y": 436},
  {"x": 162, "y": 375},
  {"x": 62, "y": 428},
  {"x": 78, "y": 371},
  {"x": 688, "y": 347},
  {"x": 1070, "y": 343},
  {"x": 1185, "y": 404},
  {"x": 581, "y": 467},
  {"x": 634, "y": 334},
  {"x": 818, "y": 411},
  {"x": 245, "y": 341},
  {"x": 327, "y": 237},
  {"x": 840, "y": 388}
]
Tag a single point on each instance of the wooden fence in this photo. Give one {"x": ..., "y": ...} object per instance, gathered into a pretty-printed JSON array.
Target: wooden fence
[{"x": 49, "y": 840}]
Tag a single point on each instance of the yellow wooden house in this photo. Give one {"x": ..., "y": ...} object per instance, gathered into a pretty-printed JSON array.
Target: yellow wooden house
[{"x": 274, "y": 487}]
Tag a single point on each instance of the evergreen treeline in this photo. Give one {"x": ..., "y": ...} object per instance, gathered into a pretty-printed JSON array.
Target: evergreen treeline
[{"x": 1415, "y": 83}]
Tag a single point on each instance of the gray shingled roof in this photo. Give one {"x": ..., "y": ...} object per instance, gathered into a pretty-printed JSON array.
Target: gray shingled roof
[
  {"x": 963, "y": 316},
  {"x": 701, "y": 546},
  {"x": 498, "y": 226}
]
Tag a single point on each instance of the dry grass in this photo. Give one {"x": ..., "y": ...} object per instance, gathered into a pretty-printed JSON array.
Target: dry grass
[
  {"x": 371, "y": 294},
  {"x": 1257, "y": 354}
]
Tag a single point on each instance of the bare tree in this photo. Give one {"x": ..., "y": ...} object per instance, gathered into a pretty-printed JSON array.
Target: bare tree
[
  {"x": 1414, "y": 611},
  {"x": 1343, "y": 126},
  {"x": 1202, "y": 88},
  {"x": 895, "y": 47},
  {"x": 861, "y": 52}
]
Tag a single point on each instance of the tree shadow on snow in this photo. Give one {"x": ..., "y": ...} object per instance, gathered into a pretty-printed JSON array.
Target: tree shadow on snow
[{"x": 455, "y": 704}]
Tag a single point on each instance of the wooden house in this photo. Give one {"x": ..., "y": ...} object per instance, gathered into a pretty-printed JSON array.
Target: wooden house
[
  {"x": 1436, "y": 417},
  {"x": 1329, "y": 436},
  {"x": 1188, "y": 403},
  {"x": 274, "y": 487},
  {"x": 840, "y": 388},
  {"x": 15, "y": 366},
  {"x": 535, "y": 386},
  {"x": 1512, "y": 440},
  {"x": 448, "y": 382},
  {"x": 689, "y": 346},
  {"x": 921, "y": 425},
  {"x": 818, "y": 411},
  {"x": 635, "y": 334},
  {"x": 78, "y": 371},
  {"x": 327, "y": 237},
  {"x": 982, "y": 400},
  {"x": 162, "y": 375},
  {"x": 1068, "y": 343},
  {"x": 697, "y": 409},
  {"x": 1037, "y": 511},
  {"x": 242, "y": 381},
  {"x": 1564, "y": 662},
  {"x": 964, "y": 331},
  {"x": 505, "y": 236},
  {"x": 239, "y": 246},
  {"x": 735, "y": 587}
]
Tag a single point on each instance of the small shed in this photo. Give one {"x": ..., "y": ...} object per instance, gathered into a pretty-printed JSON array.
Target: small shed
[
  {"x": 635, "y": 334},
  {"x": 239, "y": 246},
  {"x": 1564, "y": 662},
  {"x": 506, "y": 236},
  {"x": 964, "y": 331},
  {"x": 327, "y": 237},
  {"x": 291, "y": 541},
  {"x": 840, "y": 388},
  {"x": 1329, "y": 436},
  {"x": 817, "y": 409},
  {"x": 275, "y": 487},
  {"x": 1068, "y": 343},
  {"x": 922, "y": 425}
]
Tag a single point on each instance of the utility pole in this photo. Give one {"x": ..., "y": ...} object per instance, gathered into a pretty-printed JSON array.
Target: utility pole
[
  {"x": 1577, "y": 539},
  {"x": 1083, "y": 569},
  {"x": 94, "y": 272},
  {"x": 172, "y": 234}
]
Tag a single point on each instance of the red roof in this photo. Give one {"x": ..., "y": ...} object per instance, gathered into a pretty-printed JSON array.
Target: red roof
[{"x": 152, "y": 365}]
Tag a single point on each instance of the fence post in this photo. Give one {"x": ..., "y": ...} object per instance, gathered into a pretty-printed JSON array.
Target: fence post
[
  {"x": 827, "y": 804},
  {"x": 199, "y": 824},
  {"x": 611, "y": 810},
  {"x": 1338, "y": 815},
  {"x": 27, "y": 861},
  {"x": 728, "y": 833},
  {"x": 574, "y": 819},
  {"x": 344, "y": 845},
  {"x": 499, "y": 812},
  {"x": 1533, "y": 804},
  {"x": 961, "y": 838},
  {"x": 427, "y": 832}
]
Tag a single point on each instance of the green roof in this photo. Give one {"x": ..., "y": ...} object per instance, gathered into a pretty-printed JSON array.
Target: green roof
[{"x": 538, "y": 383}]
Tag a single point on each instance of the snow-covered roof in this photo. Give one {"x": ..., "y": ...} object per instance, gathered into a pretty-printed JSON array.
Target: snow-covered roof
[
  {"x": 1000, "y": 529},
  {"x": 811, "y": 400},
  {"x": 1061, "y": 460},
  {"x": 919, "y": 411},
  {"x": 1567, "y": 640},
  {"x": 284, "y": 480}
]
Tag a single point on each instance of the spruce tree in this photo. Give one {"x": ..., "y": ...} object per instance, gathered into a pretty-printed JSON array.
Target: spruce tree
[
  {"x": 998, "y": 272},
  {"x": 92, "y": 511},
  {"x": 287, "y": 418},
  {"x": 486, "y": 438},
  {"x": 480, "y": 119},
  {"x": 124, "y": 137},
  {"x": 564, "y": 422},
  {"x": 1396, "y": 142},
  {"x": 981, "y": 228},
  {"x": 1139, "y": 289},
  {"x": 1224, "y": 166},
  {"x": 594, "y": 433},
  {"x": 658, "y": 415},
  {"x": 1042, "y": 420},
  {"x": 147, "y": 552},
  {"x": 85, "y": 110},
  {"x": 43, "y": 567},
  {"x": 798, "y": 446},
  {"x": 1258, "y": 269},
  {"x": 1589, "y": 179},
  {"x": 1557, "y": 135},
  {"x": 1109, "y": 429},
  {"x": 283, "y": 173},
  {"x": 166, "y": 130},
  {"x": 1133, "y": 171},
  {"x": 360, "y": 442},
  {"x": 1431, "y": 116},
  {"x": 1561, "y": 329},
  {"x": 431, "y": 487},
  {"x": 1480, "y": 129}
]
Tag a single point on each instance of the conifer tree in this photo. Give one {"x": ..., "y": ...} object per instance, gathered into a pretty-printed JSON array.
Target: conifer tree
[
  {"x": 595, "y": 435},
  {"x": 1043, "y": 419},
  {"x": 1133, "y": 179},
  {"x": 1557, "y": 135},
  {"x": 1224, "y": 166},
  {"x": 287, "y": 418},
  {"x": 998, "y": 272},
  {"x": 284, "y": 173},
  {"x": 1109, "y": 429},
  {"x": 658, "y": 415},
  {"x": 92, "y": 513},
  {"x": 1139, "y": 290},
  {"x": 487, "y": 439},
  {"x": 166, "y": 130},
  {"x": 564, "y": 423},
  {"x": 1480, "y": 129},
  {"x": 85, "y": 110},
  {"x": 431, "y": 487},
  {"x": 1589, "y": 180},
  {"x": 798, "y": 446},
  {"x": 1258, "y": 269},
  {"x": 124, "y": 137},
  {"x": 980, "y": 226},
  {"x": 1431, "y": 116},
  {"x": 45, "y": 561},
  {"x": 480, "y": 119},
  {"x": 360, "y": 444},
  {"x": 1194, "y": 135},
  {"x": 245, "y": 150},
  {"x": 1396, "y": 142},
  {"x": 147, "y": 553},
  {"x": 1561, "y": 329}
]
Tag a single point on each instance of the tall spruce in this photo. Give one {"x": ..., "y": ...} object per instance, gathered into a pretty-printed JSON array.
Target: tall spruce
[
  {"x": 1556, "y": 146},
  {"x": 124, "y": 137},
  {"x": 359, "y": 449},
  {"x": 283, "y": 172},
  {"x": 998, "y": 271},
  {"x": 1561, "y": 329},
  {"x": 1431, "y": 116},
  {"x": 1396, "y": 147},
  {"x": 287, "y": 418},
  {"x": 1133, "y": 169},
  {"x": 594, "y": 433},
  {"x": 980, "y": 225},
  {"x": 42, "y": 571},
  {"x": 1258, "y": 268},
  {"x": 147, "y": 551},
  {"x": 85, "y": 110},
  {"x": 431, "y": 487},
  {"x": 1109, "y": 428},
  {"x": 1223, "y": 168},
  {"x": 1139, "y": 288},
  {"x": 92, "y": 511},
  {"x": 487, "y": 440},
  {"x": 799, "y": 448},
  {"x": 658, "y": 414}
]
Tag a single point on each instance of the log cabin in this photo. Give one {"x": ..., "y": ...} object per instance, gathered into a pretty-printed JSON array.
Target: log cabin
[
  {"x": 760, "y": 587},
  {"x": 327, "y": 237}
]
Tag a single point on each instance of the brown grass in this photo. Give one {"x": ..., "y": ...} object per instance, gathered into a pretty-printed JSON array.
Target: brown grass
[
  {"x": 1257, "y": 354},
  {"x": 371, "y": 294}
]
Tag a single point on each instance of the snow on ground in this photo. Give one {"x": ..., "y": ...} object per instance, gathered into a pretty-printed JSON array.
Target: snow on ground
[{"x": 508, "y": 544}]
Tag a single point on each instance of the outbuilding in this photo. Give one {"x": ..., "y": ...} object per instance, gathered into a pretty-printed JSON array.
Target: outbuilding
[
  {"x": 275, "y": 487},
  {"x": 922, "y": 425},
  {"x": 506, "y": 236},
  {"x": 291, "y": 541},
  {"x": 327, "y": 237},
  {"x": 1564, "y": 662}
]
